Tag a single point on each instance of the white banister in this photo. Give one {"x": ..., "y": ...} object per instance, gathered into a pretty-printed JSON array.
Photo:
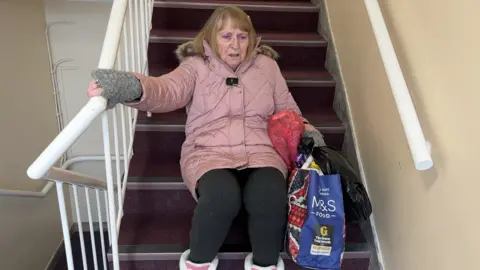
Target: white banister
[{"x": 419, "y": 147}]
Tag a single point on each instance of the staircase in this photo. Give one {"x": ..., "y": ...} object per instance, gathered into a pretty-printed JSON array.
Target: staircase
[{"x": 158, "y": 207}]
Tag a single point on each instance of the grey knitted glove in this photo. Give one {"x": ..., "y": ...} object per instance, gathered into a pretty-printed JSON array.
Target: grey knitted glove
[
  {"x": 118, "y": 86},
  {"x": 316, "y": 136}
]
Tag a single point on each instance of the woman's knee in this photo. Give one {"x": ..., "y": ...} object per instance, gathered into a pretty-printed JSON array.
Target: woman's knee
[
  {"x": 266, "y": 192},
  {"x": 219, "y": 193}
]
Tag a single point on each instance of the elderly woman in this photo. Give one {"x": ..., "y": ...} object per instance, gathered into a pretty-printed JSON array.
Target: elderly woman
[{"x": 230, "y": 86}]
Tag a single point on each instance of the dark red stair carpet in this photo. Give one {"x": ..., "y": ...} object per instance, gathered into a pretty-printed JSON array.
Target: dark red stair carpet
[{"x": 158, "y": 208}]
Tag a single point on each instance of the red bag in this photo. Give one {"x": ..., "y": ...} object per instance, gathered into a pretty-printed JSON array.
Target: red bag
[{"x": 285, "y": 130}]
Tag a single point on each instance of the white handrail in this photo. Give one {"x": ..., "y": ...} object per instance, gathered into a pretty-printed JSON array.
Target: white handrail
[{"x": 419, "y": 146}]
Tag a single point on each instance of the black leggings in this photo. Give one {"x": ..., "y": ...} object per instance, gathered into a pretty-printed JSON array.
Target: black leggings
[{"x": 222, "y": 193}]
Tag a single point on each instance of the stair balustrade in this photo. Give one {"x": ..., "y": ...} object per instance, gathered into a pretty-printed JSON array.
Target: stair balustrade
[{"x": 124, "y": 48}]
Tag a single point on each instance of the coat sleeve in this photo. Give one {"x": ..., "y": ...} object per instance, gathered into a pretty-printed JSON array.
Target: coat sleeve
[
  {"x": 282, "y": 96},
  {"x": 168, "y": 92}
]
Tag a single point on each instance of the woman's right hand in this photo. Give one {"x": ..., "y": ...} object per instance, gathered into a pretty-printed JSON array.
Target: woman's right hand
[{"x": 116, "y": 86}]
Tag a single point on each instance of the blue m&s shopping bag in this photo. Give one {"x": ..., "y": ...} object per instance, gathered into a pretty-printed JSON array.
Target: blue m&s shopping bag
[{"x": 316, "y": 221}]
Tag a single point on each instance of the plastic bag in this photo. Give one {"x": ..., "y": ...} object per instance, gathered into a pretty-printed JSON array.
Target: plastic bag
[
  {"x": 356, "y": 201},
  {"x": 285, "y": 130}
]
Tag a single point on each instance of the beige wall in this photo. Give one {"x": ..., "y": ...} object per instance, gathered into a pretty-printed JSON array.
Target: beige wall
[
  {"x": 29, "y": 227},
  {"x": 425, "y": 220}
]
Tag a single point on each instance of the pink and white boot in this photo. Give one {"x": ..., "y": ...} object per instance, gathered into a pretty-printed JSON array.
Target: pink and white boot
[
  {"x": 185, "y": 264},
  {"x": 250, "y": 266}
]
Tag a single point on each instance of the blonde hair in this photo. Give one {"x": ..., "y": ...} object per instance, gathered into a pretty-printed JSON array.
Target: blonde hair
[{"x": 217, "y": 21}]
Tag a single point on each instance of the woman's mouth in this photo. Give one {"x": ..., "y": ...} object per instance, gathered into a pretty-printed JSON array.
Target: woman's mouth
[{"x": 234, "y": 55}]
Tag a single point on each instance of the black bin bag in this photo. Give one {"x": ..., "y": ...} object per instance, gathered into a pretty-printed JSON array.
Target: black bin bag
[{"x": 355, "y": 198}]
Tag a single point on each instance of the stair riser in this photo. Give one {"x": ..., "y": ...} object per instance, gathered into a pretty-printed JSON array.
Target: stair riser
[
  {"x": 348, "y": 264},
  {"x": 159, "y": 202},
  {"x": 291, "y": 57},
  {"x": 176, "y": 18},
  {"x": 175, "y": 203},
  {"x": 154, "y": 165},
  {"x": 311, "y": 99},
  {"x": 168, "y": 144}
]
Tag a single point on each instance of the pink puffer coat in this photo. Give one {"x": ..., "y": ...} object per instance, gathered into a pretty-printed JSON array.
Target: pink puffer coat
[{"x": 226, "y": 125}]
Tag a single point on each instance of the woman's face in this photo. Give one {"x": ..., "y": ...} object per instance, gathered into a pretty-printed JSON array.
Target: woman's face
[{"x": 232, "y": 45}]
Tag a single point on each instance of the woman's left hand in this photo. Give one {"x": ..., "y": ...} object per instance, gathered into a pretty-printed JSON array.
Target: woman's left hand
[{"x": 312, "y": 132}]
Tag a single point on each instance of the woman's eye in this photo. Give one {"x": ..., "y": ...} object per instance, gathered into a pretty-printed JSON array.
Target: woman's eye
[
  {"x": 242, "y": 36},
  {"x": 227, "y": 36}
]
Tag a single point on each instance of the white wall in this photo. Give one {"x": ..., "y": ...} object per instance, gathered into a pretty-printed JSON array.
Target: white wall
[{"x": 81, "y": 41}]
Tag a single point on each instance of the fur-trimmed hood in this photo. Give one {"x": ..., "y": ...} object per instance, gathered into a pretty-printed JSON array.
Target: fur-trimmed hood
[{"x": 186, "y": 50}]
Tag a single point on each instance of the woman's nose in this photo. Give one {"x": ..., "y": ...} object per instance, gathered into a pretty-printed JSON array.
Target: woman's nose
[{"x": 234, "y": 43}]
